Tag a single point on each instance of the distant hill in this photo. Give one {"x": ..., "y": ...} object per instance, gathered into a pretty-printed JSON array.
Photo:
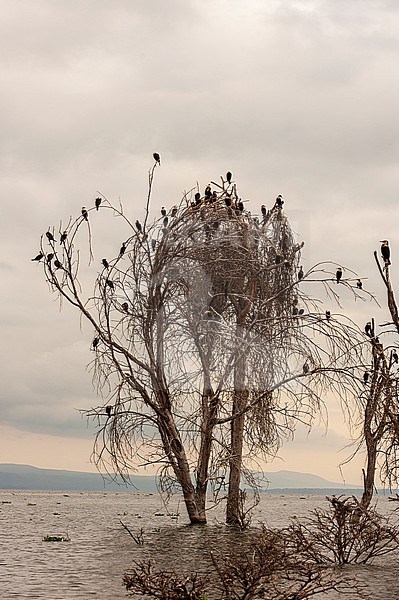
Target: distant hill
[{"x": 25, "y": 477}]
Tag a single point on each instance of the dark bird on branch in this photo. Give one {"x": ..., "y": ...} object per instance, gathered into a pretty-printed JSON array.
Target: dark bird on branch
[
  {"x": 105, "y": 263},
  {"x": 165, "y": 221},
  {"x": 57, "y": 264},
  {"x": 95, "y": 342},
  {"x": 157, "y": 158},
  {"x": 50, "y": 236},
  {"x": 38, "y": 257},
  {"x": 49, "y": 257},
  {"x": 229, "y": 175},
  {"x": 300, "y": 274},
  {"x": 395, "y": 356},
  {"x": 279, "y": 201},
  {"x": 367, "y": 329},
  {"x": 359, "y": 284},
  {"x": 294, "y": 311},
  {"x": 163, "y": 211},
  {"x": 125, "y": 307},
  {"x": 386, "y": 252},
  {"x": 305, "y": 369},
  {"x": 208, "y": 192},
  {"x": 366, "y": 376},
  {"x": 138, "y": 226},
  {"x": 108, "y": 410},
  {"x": 263, "y": 210},
  {"x": 97, "y": 203},
  {"x": 63, "y": 237},
  {"x": 110, "y": 284},
  {"x": 240, "y": 206},
  {"x": 173, "y": 211},
  {"x": 278, "y": 259},
  {"x": 328, "y": 315},
  {"x": 122, "y": 250},
  {"x": 227, "y": 201},
  {"x": 85, "y": 214},
  {"x": 338, "y": 274},
  {"x": 197, "y": 198}
]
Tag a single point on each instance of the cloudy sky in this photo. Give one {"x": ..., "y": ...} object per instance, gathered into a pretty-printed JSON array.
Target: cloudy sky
[{"x": 297, "y": 97}]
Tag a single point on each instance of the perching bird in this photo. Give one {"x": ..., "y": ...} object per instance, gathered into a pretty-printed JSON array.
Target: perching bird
[
  {"x": 85, "y": 214},
  {"x": 366, "y": 376},
  {"x": 38, "y": 257},
  {"x": 173, "y": 211},
  {"x": 294, "y": 311},
  {"x": 279, "y": 201},
  {"x": 359, "y": 284},
  {"x": 110, "y": 284},
  {"x": 197, "y": 198},
  {"x": 49, "y": 257},
  {"x": 367, "y": 328},
  {"x": 208, "y": 191},
  {"x": 263, "y": 210},
  {"x": 338, "y": 274},
  {"x": 63, "y": 237},
  {"x": 122, "y": 250},
  {"x": 105, "y": 263},
  {"x": 157, "y": 158},
  {"x": 163, "y": 211},
  {"x": 300, "y": 274},
  {"x": 227, "y": 201},
  {"x": 278, "y": 259},
  {"x": 125, "y": 307},
  {"x": 108, "y": 410},
  {"x": 97, "y": 203},
  {"x": 95, "y": 342},
  {"x": 395, "y": 356},
  {"x": 386, "y": 252},
  {"x": 138, "y": 226},
  {"x": 165, "y": 221},
  {"x": 50, "y": 236},
  {"x": 229, "y": 175},
  {"x": 305, "y": 369},
  {"x": 328, "y": 315},
  {"x": 240, "y": 206},
  {"x": 57, "y": 264}
]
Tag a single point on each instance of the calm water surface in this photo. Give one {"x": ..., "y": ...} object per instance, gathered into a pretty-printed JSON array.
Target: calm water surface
[{"x": 92, "y": 564}]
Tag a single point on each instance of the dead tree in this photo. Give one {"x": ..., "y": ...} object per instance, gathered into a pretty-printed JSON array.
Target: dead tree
[{"x": 207, "y": 349}]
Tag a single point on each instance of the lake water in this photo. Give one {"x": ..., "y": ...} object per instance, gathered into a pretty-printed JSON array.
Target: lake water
[{"x": 100, "y": 551}]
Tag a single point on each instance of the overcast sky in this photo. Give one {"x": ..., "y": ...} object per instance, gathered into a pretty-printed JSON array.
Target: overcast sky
[{"x": 296, "y": 97}]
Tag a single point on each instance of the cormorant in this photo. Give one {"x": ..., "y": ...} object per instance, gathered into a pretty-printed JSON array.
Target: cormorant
[
  {"x": 359, "y": 284},
  {"x": 108, "y": 410},
  {"x": 367, "y": 328},
  {"x": 240, "y": 206},
  {"x": 157, "y": 158},
  {"x": 49, "y": 257},
  {"x": 197, "y": 198},
  {"x": 125, "y": 307},
  {"x": 138, "y": 226},
  {"x": 173, "y": 211},
  {"x": 163, "y": 211},
  {"x": 229, "y": 176},
  {"x": 227, "y": 201},
  {"x": 279, "y": 201},
  {"x": 105, "y": 263},
  {"x": 110, "y": 284},
  {"x": 278, "y": 259},
  {"x": 338, "y": 274},
  {"x": 63, "y": 237},
  {"x": 386, "y": 252},
  {"x": 366, "y": 376},
  {"x": 300, "y": 274},
  {"x": 294, "y": 311},
  {"x": 305, "y": 368},
  {"x": 38, "y": 257},
  {"x": 85, "y": 214},
  {"x": 395, "y": 356},
  {"x": 165, "y": 221},
  {"x": 97, "y": 203},
  {"x": 95, "y": 342},
  {"x": 50, "y": 236},
  {"x": 208, "y": 191},
  {"x": 328, "y": 315},
  {"x": 263, "y": 210},
  {"x": 57, "y": 264},
  {"x": 122, "y": 250}
]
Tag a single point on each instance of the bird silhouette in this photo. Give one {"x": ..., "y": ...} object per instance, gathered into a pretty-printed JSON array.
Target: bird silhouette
[
  {"x": 157, "y": 158},
  {"x": 57, "y": 264},
  {"x": 300, "y": 274},
  {"x": 125, "y": 307},
  {"x": 110, "y": 284},
  {"x": 105, "y": 263},
  {"x": 386, "y": 252},
  {"x": 173, "y": 211},
  {"x": 108, "y": 410},
  {"x": 359, "y": 284},
  {"x": 163, "y": 211},
  {"x": 95, "y": 342},
  {"x": 50, "y": 236},
  {"x": 122, "y": 250},
  {"x": 338, "y": 274},
  {"x": 368, "y": 328},
  {"x": 38, "y": 257},
  {"x": 138, "y": 226},
  {"x": 279, "y": 201},
  {"x": 263, "y": 210},
  {"x": 97, "y": 203},
  {"x": 229, "y": 175},
  {"x": 305, "y": 368},
  {"x": 366, "y": 376},
  {"x": 85, "y": 214},
  {"x": 328, "y": 315},
  {"x": 63, "y": 237}
]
